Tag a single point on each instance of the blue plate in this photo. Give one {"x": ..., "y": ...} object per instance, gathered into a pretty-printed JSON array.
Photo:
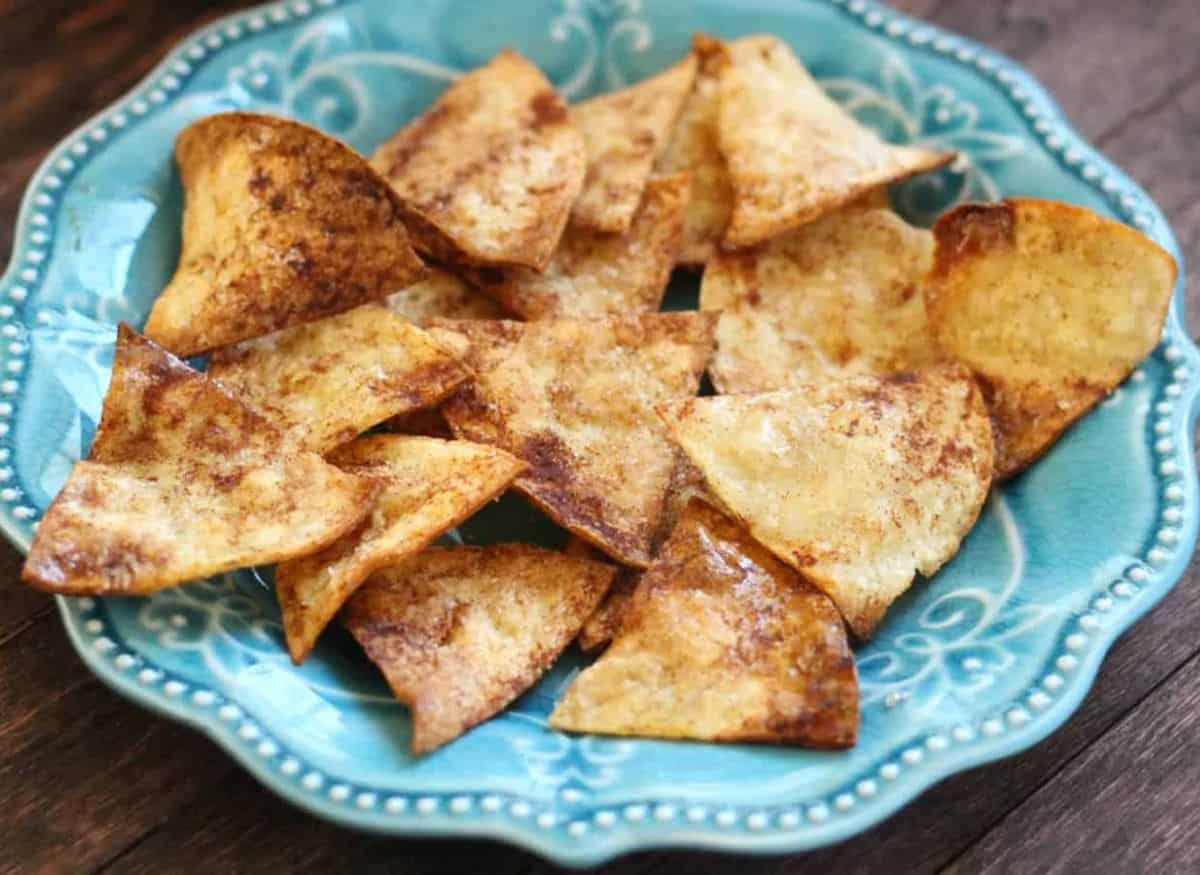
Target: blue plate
[{"x": 978, "y": 663}]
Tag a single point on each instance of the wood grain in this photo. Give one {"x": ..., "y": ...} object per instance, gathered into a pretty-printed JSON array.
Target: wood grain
[
  {"x": 84, "y": 773},
  {"x": 1127, "y": 805},
  {"x": 279, "y": 838},
  {"x": 91, "y": 782}
]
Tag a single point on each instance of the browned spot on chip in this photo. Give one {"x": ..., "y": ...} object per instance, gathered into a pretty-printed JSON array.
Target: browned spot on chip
[
  {"x": 973, "y": 229},
  {"x": 720, "y": 641},
  {"x": 459, "y": 633},
  {"x": 282, "y": 225}
]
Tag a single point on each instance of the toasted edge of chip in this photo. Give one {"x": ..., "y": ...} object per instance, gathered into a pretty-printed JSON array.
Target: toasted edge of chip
[
  {"x": 282, "y": 225},
  {"x": 324, "y": 383},
  {"x": 180, "y": 463},
  {"x": 721, "y": 641},
  {"x": 460, "y": 632},
  {"x": 624, "y": 132},
  {"x": 488, "y": 174},
  {"x": 427, "y": 486},
  {"x": 1051, "y": 306}
]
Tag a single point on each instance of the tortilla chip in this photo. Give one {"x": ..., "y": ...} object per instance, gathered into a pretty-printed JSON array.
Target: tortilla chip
[
  {"x": 793, "y": 153},
  {"x": 1051, "y": 306},
  {"x": 459, "y": 633},
  {"x": 184, "y": 481},
  {"x": 721, "y": 642},
  {"x": 327, "y": 382},
  {"x": 624, "y": 131},
  {"x": 575, "y": 399},
  {"x": 426, "y": 487},
  {"x": 442, "y": 296},
  {"x": 594, "y": 274},
  {"x": 692, "y": 149},
  {"x": 489, "y": 172},
  {"x": 857, "y": 483},
  {"x": 839, "y": 296},
  {"x": 282, "y": 225}
]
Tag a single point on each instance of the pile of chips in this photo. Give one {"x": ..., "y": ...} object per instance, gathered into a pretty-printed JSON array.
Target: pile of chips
[{"x": 394, "y": 343}]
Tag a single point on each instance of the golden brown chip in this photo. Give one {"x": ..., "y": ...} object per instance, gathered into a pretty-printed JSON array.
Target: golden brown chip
[
  {"x": 459, "y": 633},
  {"x": 488, "y": 173},
  {"x": 624, "y": 131},
  {"x": 596, "y": 274},
  {"x": 442, "y": 296},
  {"x": 692, "y": 149},
  {"x": 721, "y": 642},
  {"x": 1051, "y": 306},
  {"x": 282, "y": 225},
  {"x": 857, "y": 483},
  {"x": 841, "y": 295},
  {"x": 184, "y": 481},
  {"x": 426, "y": 487},
  {"x": 325, "y": 383},
  {"x": 793, "y": 153},
  {"x": 575, "y": 399}
]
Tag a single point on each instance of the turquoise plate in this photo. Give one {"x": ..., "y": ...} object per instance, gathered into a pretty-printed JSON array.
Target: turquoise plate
[{"x": 979, "y": 663}]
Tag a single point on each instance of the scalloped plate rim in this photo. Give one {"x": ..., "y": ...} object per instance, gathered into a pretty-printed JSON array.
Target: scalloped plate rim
[{"x": 523, "y": 833}]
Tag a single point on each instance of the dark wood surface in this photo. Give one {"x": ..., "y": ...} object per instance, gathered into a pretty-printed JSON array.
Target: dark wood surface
[{"x": 90, "y": 783}]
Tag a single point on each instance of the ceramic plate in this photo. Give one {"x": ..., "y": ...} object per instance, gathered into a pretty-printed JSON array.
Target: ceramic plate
[{"x": 978, "y": 663}]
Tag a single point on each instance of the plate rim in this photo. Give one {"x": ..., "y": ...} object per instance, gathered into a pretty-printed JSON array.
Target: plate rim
[{"x": 558, "y": 839}]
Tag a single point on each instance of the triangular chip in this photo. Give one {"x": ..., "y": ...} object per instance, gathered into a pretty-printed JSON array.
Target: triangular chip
[
  {"x": 841, "y": 295},
  {"x": 624, "y": 131},
  {"x": 184, "y": 481},
  {"x": 426, "y": 487},
  {"x": 721, "y": 642},
  {"x": 442, "y": 296},
  {"x": 282, "y": 225},
  {"x": 461, "y": 632},
  {"x": 489, "y": 172},
  {"x": 325, "y": 383},
  {"x": 575, "y": 399},
  {"x": 792, "y": 152},
  {"x": 857, "y": 483},
  {"x": 597, "y": 274},
  {"x": 692, "y": 149},
  {"x": 1051, "y": 306}
]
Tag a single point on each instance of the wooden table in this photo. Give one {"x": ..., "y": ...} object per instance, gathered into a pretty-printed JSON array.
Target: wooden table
[{"x": 90, "y": 783}]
